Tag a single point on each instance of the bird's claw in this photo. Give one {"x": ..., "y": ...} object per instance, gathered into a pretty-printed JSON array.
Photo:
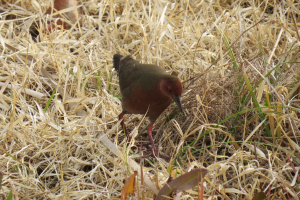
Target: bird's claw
[{"x": 157, "y": 154}]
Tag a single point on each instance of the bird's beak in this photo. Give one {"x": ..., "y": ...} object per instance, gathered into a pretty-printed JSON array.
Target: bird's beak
[{"x": 178, "y": 102}]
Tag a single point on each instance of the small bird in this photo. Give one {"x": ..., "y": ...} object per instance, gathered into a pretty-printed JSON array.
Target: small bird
[{"x": 145, "y": 88}]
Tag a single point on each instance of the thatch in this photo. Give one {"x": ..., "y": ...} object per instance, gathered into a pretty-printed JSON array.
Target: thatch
[{"x": 72, "y": 146}]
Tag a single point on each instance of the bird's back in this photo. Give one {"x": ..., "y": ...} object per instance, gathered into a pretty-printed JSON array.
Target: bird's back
[{"x": 132, "y": 73}]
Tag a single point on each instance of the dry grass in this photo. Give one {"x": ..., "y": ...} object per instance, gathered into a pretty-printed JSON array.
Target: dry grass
[{"x": 76, "y": 149}]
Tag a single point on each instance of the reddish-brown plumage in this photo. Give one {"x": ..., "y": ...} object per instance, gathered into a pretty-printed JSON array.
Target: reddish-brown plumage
[{"x": 145, "y": 88}]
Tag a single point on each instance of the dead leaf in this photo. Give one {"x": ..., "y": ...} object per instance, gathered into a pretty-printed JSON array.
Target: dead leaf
[
  {"x": 68, "y": 12},
  {"x": 183, "y": 182},
  {"x": 260, "y": 196},
  {"x": 128, "y": 186}
]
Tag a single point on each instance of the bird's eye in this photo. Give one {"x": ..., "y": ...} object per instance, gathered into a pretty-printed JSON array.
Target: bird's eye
[{"x": 170, "y": 90}]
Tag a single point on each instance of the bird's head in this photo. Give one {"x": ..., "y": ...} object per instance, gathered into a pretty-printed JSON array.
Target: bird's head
[{"x": 172, "y": 87}]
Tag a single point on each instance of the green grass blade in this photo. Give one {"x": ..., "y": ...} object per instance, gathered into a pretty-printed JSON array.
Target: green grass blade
[{"x": 50, "y": 99}]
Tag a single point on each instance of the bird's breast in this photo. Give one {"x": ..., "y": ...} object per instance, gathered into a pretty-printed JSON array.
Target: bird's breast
[{"x": 152, "y": 102}]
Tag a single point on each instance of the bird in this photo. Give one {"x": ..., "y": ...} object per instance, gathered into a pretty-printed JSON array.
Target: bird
[{"x": 145, "y": 88}]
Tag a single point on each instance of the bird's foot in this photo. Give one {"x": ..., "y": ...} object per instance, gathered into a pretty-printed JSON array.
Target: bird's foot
[
  {"x": 157, "y": 154},
  {"x": 143, "y": 144},
  {"x": 137, "y": 145}
]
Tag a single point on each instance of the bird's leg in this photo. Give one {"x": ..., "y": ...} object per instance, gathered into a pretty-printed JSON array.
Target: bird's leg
[
  {"x": 124, "y": 126},
  {"x": 154, "y": 151},
  {"x": 125, "y": 129},
  {"x": 149, "y": 132}
]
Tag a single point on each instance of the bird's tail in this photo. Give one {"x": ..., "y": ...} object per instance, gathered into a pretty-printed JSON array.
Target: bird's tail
[{"x": 116, "y": 61}]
